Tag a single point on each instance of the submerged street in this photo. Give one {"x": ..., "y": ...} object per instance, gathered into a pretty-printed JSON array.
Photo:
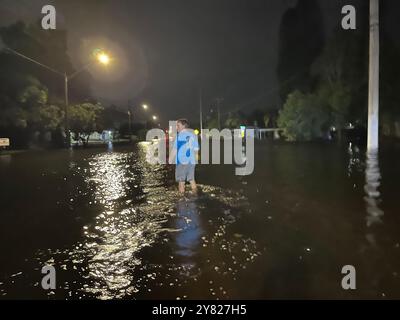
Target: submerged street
[{"x": 114, "y": 226}]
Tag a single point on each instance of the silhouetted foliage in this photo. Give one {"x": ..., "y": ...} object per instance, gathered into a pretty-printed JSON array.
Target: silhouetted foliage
[
  {"x": 301, "y": 40},
  {"x": 304, "y": 117},
  {"x": 31, "y": 97}
]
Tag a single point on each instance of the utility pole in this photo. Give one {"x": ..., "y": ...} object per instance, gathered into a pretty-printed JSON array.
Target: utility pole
[
  {"x": 219, "y": 100},
  {"x": 201, "y": 113},
  {"x": 373, "y": 96},
  {"x": 68, "y": 133}
]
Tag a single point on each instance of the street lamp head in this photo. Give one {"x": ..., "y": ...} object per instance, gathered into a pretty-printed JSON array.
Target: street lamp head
[
  {"x": 103, "y": 58},
  {"x": 154, "y": 118},
  {"x": 145, "y": 106}
]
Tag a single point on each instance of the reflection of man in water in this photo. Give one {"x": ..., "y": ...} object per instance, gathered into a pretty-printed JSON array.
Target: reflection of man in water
[
  {"x": 183, "y": 155},
  {"x": 188, "y": 221}
]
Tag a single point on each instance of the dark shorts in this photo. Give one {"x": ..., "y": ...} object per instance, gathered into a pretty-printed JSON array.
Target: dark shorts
[{"x": 184, "y": 172}]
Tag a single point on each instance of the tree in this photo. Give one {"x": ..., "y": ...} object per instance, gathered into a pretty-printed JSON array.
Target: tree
[
  {"x": 49, "y": 47},
  {"x": 51, "y": 117},
  {"x": 233, "y": 121},
  {"x": 212, "y": 123},
  {"x": 84, "y": 119},
  {"x": 31, "y": 98},
  {"x": 267, "y": 120},
  {"x": 29, "y": 94},
  {"x": 304, "y": 117},
  {"x": 19, "y": 100},
  {"x": 301, "y": 40},
  {"x": 342, "y": 77},
  {"x": 338, "y": 98}
]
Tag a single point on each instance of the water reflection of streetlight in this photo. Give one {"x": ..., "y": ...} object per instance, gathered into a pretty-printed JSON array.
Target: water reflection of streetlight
[
  {"x": 372, "y": 183},
  {"x": 130, "y": 114},
  {"x": 354, "y": 165},
  {"x": 119, "y": 239}
]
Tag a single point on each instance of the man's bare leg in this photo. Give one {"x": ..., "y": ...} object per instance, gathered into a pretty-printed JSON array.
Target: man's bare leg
[
  {"x": 193, "y": 185},
  {"x": 181, "y": 187}
]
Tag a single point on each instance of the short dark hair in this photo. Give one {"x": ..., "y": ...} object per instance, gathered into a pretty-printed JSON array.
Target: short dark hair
[{"x": 183, "y": 122}]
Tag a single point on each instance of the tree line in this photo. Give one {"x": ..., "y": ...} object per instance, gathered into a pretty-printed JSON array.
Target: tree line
[
  {"x": 324, "y": 81},
  {"x": 32, "y": 105}
]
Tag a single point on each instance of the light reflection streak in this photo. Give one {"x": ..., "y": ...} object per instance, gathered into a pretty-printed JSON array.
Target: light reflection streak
[
  {"x": 118, "y": 234},
  {"x": 136, "y": 205},
  {"x": 355, "y": 163},
  {"x": 372, "y": 183}
]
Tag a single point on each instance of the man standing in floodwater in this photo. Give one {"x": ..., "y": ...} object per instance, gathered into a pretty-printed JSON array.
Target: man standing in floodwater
[{"x": 183, "y": 155}]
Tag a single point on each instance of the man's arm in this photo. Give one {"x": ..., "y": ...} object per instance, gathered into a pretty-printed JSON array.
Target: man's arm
[{"x": 195, "y": 143}]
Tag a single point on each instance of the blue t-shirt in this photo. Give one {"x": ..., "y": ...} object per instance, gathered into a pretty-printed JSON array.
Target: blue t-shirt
[{"x": 186, "y": 145}]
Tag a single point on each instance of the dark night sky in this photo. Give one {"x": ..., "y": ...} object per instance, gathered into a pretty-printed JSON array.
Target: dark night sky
[{"x": 166, "y": 50}]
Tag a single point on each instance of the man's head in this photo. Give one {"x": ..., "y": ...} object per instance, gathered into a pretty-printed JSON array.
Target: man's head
[{"x": 182, "y": 124}]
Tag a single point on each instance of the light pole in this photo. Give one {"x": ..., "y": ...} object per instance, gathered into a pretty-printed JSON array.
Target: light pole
[
  {"x": 219, "y": 100},
  {"x": 101, "y": 57},
  {"x": 155, "y": 118},
  {"x": 373, "y": 98},
  {"x": 130, "y": 125},
  {"x": 130, "y": 113},
  {"x": 201, "y": 112}
]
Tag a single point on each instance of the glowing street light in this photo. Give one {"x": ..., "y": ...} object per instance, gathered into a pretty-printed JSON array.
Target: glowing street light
[
  {"x": 145, "y": 106},
  {"x": 154, "y": 118},
  {"x": 100, "y": 56}
]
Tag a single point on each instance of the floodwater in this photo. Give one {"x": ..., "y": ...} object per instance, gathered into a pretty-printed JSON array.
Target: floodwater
[{"x": 114, "y": 227}]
